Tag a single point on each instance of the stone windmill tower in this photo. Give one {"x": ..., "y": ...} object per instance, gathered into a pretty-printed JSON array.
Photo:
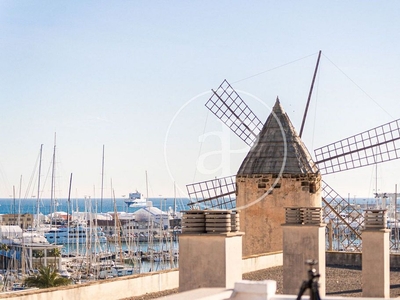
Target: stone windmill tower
[{"x": 278, "y": 172}]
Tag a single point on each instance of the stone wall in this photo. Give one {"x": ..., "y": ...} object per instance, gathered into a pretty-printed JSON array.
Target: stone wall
[
  {"x": 354, "y": 259},
  {"x": 267, "y": 196}
]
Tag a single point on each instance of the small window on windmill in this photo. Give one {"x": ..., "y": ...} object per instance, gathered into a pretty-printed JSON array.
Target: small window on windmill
[
  {"x": 262, "y": 185},
  {"x": 313, "y": 188}
]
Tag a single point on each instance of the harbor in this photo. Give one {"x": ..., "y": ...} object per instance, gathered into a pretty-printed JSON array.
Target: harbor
[{"x": 85, "y": 244}]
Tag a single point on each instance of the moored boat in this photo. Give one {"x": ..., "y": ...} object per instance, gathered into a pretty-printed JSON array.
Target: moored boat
[
  {"x": 77, "y": 233},
  {"x": 135, "y": 200}
]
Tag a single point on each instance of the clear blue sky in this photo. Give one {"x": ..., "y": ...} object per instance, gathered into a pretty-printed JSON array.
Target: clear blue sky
[{"x": 134, "y": 76}]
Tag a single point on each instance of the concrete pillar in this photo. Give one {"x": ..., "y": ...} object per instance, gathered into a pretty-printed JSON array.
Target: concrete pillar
[
  {"x": 375, "y": 255},
  {"x": 210, "y": 254},
  {"x": 303, "y": 239}
]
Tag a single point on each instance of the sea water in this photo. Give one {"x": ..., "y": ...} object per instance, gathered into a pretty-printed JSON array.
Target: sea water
[{"x": 47, "y": 206}]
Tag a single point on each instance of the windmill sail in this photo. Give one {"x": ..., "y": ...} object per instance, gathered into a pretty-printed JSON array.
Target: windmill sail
[
  {"x": 215, "y": 193},
  {"x": 370, "y": 147},
  {"x": 227, "y": 105},
  {"x": 343, "y": 219}
]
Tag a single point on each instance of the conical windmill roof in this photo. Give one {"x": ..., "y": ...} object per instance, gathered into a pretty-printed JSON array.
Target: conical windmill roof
[{"x": 267, "y": 156}]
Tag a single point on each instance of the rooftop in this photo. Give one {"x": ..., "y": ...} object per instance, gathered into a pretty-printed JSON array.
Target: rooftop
[{"x": 278, "y": 149}]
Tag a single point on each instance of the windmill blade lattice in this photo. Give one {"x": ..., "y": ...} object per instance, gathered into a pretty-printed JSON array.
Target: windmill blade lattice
[
  {"x": 376, "y": 145},
  {"x": 218, "y": 193},
  {"x": 227, "y": 105},
  {"x": 344, "y": 220}
]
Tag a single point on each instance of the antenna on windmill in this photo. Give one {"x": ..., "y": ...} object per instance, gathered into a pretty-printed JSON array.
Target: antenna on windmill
[{"x": 309, "y": 95}]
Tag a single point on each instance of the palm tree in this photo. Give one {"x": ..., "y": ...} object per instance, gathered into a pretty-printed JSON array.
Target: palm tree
[
  {"x": 40, "y": 254},
  {"x": 4, "y": 249},
  {"x": 47, "y": 277},
  {"x": 56, "y": 253}
]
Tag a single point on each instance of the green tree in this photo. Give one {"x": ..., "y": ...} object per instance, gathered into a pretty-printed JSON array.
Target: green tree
[
  {"x": 4, "y": 248},
  {"x": 47, "y": 277},
  {"x": 40, "y": 255},
  {"x": 56, "y": 253}
]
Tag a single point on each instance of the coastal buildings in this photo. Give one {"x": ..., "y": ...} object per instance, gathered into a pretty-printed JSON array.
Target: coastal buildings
[{"x": 23, "y": 220}]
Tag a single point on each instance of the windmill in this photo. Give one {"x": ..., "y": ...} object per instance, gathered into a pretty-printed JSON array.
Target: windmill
[{"x": 377, "y": 145}]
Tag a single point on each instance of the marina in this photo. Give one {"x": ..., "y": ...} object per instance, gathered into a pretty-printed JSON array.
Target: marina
[{"x": 86, "y": 244}]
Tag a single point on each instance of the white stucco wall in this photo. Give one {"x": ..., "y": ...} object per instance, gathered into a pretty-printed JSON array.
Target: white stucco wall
[{"x": 116, "y": 288}]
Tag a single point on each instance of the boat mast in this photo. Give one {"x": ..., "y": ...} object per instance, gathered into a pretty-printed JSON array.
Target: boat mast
[
  {"x": 14, "y": 204},
  {"x": 19, "y": 200},
  {"x": 117, "y": 229},
  {"x": 174, "y": 199},
  {"x": 52, "y": 198},
  {"x": 68, "y": 205},
  {"x": 38, "y": 191},
  {"x": 147, "y": 188},
  {"x": 102, "y": 182},
  {"x": 149, "y": 232}
]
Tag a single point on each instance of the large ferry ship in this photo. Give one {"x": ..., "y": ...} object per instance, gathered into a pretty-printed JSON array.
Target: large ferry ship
[{"x": 135, "y": 200}]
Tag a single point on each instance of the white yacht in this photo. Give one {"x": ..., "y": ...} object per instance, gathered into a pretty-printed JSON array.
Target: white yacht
[
  {"x": 77, "y": 233},
  {"x": 136, "y": 200}
]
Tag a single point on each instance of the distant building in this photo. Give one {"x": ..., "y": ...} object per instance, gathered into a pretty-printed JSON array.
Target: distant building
[
  {"x": 110, "y": 228},
  {"x": 23, "y": 220}
]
